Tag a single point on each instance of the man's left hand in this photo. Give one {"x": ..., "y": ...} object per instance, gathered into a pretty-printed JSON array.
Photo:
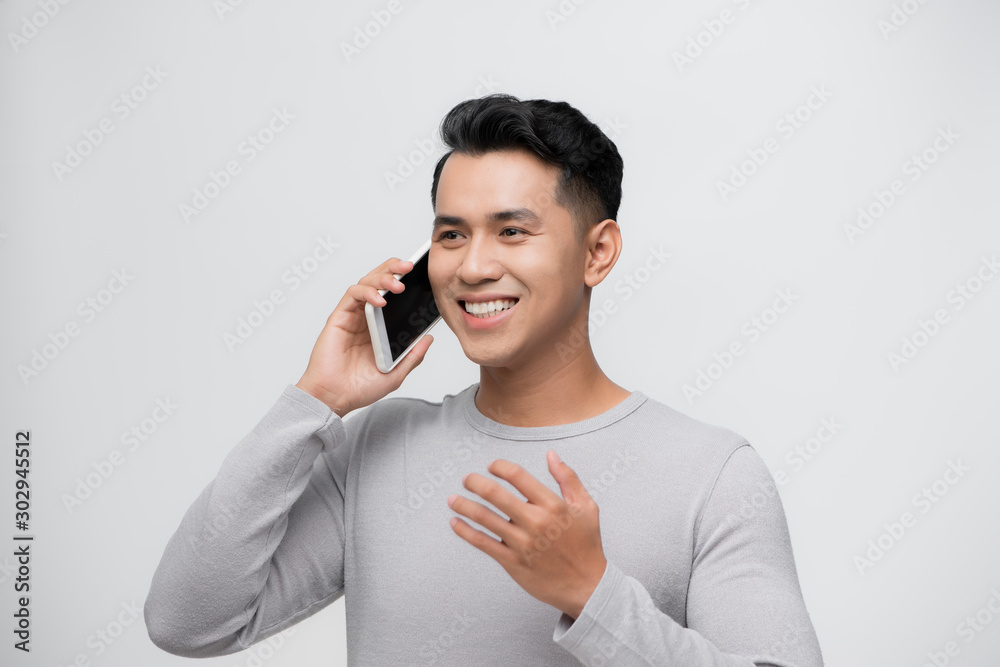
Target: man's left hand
[{"x": 551, "y": 546}]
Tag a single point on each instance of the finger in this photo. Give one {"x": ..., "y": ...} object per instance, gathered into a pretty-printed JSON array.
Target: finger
[
  {"x": 358, "y": 295},
  {"x": 349, "y": 314},
  {"x": 498, "y": 496},
  {"x": 478, "y": 539},
  {"x": 393, "y": 265},
  {"x": 522, "y": 480},
  {"x": 366, "y": 290},
  {"x": 402, "y": 266},
  {"x": 384, "y": 280},
  {"x": 483, "y": 516}
]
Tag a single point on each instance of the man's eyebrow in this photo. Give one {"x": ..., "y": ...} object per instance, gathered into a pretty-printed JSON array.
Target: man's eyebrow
[{"x": 523, "y": 215}]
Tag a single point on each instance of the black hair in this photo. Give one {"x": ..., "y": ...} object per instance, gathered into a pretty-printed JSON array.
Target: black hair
[{"x": 590, "y": 186}]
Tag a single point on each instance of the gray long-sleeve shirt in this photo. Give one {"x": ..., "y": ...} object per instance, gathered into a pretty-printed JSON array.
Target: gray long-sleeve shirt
[{"x": 309, "y": 507}]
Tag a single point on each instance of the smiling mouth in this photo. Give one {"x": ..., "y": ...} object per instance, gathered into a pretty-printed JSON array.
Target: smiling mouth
[{"x": 486, "y": 309}]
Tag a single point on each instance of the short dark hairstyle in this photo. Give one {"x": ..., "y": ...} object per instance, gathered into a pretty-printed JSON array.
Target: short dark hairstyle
[{"x": 590, "y": 186}]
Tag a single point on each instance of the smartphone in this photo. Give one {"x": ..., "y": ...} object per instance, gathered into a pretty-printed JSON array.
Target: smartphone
[{"x": 397, "y": 326}]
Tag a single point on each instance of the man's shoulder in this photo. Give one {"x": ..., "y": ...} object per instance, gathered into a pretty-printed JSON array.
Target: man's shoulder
[
  {"x": 417, "y": 404},
  {"x": 684, "y": 433},
  {"x": 409, "y": 411}
]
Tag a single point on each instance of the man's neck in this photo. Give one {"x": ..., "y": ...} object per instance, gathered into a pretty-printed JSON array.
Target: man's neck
[{"x": 577, "y": 390}]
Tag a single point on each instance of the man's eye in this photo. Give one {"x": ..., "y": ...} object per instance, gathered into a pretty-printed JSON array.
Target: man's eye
[{"x": 444, "y": 235}]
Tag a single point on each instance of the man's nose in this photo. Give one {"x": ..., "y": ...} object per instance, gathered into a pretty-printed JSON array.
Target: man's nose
[{"x": 480, "y": 261}]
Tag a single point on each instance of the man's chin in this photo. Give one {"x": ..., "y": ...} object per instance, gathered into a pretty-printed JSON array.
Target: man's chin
[
  {"x": 489, "y": 361},
  {"x": 482, "y": 355}
]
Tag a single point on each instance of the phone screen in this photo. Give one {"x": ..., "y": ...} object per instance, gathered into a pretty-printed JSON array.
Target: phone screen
[{"x": 409, "y": 313}]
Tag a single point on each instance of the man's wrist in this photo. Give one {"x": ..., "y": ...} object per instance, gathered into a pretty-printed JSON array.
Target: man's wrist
[
  {"x": 328, "y": 399},
  {"x": 586, "y": 592}
]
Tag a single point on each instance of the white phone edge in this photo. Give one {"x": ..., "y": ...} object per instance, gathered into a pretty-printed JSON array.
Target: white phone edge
[{"x": 376, "y": 325}]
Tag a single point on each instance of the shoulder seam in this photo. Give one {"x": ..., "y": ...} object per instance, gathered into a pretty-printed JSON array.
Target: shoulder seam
[
  {"x": 701, "y": 512},
  {"x": 711, "y": 494}
]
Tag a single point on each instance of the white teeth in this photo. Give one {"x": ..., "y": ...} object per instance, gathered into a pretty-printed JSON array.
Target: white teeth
[{"x": 488, "y": 308}]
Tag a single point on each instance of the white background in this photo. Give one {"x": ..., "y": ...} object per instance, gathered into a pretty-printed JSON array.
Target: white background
[{"x": 681, "y": 127}]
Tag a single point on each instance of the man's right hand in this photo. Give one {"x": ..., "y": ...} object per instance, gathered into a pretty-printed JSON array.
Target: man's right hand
[{"x": 341, "y": 370}]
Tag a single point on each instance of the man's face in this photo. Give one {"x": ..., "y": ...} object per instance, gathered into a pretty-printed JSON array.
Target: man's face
[{"x": 499, "y": 235}]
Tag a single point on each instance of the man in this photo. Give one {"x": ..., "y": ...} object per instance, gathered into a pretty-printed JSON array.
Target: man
[{"x": 623, "y": 538}]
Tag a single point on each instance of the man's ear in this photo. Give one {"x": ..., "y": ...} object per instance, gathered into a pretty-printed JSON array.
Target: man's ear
[{"x": 603, "y": 245}]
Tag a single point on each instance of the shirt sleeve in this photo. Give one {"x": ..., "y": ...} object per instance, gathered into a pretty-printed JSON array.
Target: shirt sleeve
[
  {"x": 744, "y": 606},
  {"x": 262, "y": 546}
]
